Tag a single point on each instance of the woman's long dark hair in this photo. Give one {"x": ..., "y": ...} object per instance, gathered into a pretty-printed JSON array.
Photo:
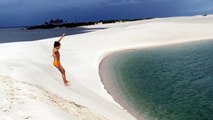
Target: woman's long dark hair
[{"x": 56, "y": 44}]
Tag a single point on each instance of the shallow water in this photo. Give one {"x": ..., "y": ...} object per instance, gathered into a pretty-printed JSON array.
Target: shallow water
[
  {"x": 164, "y": 83},
  {"x": 21, "y": 34}
]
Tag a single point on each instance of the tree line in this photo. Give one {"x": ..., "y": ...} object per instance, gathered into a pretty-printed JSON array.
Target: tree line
[{"x": 60, "y": 23}]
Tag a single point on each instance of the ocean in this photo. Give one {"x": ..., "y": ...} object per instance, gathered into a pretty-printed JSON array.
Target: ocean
[{"x": 173, "y": 82}]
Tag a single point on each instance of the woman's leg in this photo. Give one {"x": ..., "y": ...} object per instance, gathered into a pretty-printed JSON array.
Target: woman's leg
[
  {"x": 63, "y": 75},
  {"x": 61, "y": 69}
]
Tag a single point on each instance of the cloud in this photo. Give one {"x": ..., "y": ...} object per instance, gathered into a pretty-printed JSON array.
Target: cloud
[
  {"x": 22, "y": 12},
  {"x": 198, "y": 7},
  {"x": 65, "y": 3},
  {"x": 7, "y": 3}
]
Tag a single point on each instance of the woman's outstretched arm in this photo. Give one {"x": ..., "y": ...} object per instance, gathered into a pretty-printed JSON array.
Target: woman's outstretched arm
[{"x": 61, "y": 37}]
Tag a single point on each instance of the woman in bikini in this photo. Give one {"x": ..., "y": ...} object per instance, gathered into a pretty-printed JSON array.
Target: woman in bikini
[{"x": 56, "y": 56}]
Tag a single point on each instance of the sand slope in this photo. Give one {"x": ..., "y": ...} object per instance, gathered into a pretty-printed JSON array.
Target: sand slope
[{"x": 31, "y": 88}]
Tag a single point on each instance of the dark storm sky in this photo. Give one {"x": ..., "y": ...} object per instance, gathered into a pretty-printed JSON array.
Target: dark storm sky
[{"x": 31, "y": 12}]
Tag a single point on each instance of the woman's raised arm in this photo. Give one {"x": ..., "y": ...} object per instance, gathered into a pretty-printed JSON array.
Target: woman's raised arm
[{"x": 61, "y": 37}]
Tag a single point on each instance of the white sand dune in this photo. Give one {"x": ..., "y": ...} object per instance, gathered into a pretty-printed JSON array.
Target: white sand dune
[{"x": 31, "y": 88}]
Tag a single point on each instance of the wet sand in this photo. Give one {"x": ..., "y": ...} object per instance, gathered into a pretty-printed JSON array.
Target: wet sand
[{"x": 108, "y": 78}]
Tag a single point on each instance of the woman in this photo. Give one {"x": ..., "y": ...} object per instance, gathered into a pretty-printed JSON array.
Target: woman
[{"x": 56, "y": 56}]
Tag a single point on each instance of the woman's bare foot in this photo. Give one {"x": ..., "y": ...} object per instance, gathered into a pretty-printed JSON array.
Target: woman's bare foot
[{"x": 66, "y": 83}]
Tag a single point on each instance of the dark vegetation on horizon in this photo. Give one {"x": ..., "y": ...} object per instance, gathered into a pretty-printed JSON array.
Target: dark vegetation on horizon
[{"x": 59, "y": 23}]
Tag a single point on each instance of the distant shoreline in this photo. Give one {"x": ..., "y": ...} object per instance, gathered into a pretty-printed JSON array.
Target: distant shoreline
[{"x": 78, "y": 24}]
